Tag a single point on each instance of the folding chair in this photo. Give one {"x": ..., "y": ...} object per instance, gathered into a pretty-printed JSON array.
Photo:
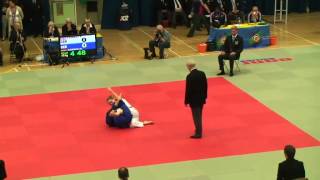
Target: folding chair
[{"x": 236, "y": 62}]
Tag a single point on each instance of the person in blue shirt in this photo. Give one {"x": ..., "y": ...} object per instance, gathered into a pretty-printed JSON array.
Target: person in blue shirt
[{"x": 122, "y": 114}]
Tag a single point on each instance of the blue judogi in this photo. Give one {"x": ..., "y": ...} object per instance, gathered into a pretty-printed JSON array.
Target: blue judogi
[{"x": 122, "y": 121}]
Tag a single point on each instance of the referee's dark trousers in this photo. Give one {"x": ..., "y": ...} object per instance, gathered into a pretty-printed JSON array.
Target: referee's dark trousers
[{"x": 197, "y": 118}]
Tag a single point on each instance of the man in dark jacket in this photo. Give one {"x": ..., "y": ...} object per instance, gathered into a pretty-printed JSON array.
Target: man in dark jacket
[
  {"x": 196, "y": 95},
  {"x": 232, "y": 48},
  {"x": 290, "y": 168}
]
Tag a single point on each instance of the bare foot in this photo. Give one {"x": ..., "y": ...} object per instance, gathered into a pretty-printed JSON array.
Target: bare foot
[{"x": 148, "y": 122}]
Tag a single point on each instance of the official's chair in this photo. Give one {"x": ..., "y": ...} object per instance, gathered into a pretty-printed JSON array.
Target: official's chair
[{"x": 236, "y": 62}]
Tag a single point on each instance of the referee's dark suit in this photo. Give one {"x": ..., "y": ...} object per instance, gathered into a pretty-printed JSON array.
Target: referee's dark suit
[
  {"x": 3, "y": 173},
  {"x": 195, "y": 97},
  {"x": 290, "y": 169},
  {"x": 232, "y": 44}
]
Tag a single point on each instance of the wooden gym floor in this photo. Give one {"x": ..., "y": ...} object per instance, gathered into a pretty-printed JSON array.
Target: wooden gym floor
[{"x": 127, "y": 46}]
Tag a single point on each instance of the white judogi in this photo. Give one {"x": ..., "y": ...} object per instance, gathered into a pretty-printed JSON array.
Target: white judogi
[{"x": 135, "y": 121}]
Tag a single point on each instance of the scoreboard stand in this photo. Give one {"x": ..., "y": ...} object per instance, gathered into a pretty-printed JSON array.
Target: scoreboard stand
[{"x": 65, "y": 62}]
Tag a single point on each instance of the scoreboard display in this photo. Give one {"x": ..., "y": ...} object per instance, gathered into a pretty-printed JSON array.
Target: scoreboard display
[{"x": 78, "y": 46}]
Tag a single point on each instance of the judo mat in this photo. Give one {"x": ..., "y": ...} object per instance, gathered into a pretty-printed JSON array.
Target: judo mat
[{"x": 63, "y": 133}]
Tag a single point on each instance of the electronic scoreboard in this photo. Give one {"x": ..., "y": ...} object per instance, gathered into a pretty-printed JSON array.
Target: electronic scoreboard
[{"x": 78, "y": 46}]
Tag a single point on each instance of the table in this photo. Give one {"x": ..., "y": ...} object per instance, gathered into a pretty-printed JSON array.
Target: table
[
  {"x": 255, "y": 35},
  {"x": 52, "y": 46}
]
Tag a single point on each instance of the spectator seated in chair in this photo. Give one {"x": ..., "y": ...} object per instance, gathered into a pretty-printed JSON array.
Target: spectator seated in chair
[
  {"x": 69, "y": 29},
  {"x": 51, "y": 31},
  {"x": 236, "y": 17},
  {"x": 234, "y": 10},
  {"x": 17, "y": 38},
  {"x": 161, "y": 40},
  {"x": 255, "y": 15},
  {"x": 87, "y": 27},
  {"x": 53, "y": 52},
  {"x": 218, "y": 18},
  {"x": 231, "y": 51}
]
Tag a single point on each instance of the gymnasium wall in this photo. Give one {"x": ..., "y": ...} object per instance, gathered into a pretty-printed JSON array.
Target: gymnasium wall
[{"x": 142, "y": 11}]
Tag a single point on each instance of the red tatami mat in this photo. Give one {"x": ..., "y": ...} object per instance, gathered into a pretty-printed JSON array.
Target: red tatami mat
[{"x": 63, "y": 133}]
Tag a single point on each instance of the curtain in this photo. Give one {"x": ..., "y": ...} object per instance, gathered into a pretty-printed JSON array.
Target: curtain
[
  {"x": 142, "y": 11},
  {"x": 134, "y": 12},
  {"x": 314, "y": 5},
  {"x": 46, "y": 12},
  {"x": 110, "y": 13},
  {"x": 147, "y": 12},
  {"x": 111, "y": 8}
]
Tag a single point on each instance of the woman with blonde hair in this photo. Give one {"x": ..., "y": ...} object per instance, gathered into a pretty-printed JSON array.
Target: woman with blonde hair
[{"x": 51, "y": 30}]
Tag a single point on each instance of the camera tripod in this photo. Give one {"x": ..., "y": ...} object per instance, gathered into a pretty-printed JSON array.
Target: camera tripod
[{"x": 65, "y": 62}]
